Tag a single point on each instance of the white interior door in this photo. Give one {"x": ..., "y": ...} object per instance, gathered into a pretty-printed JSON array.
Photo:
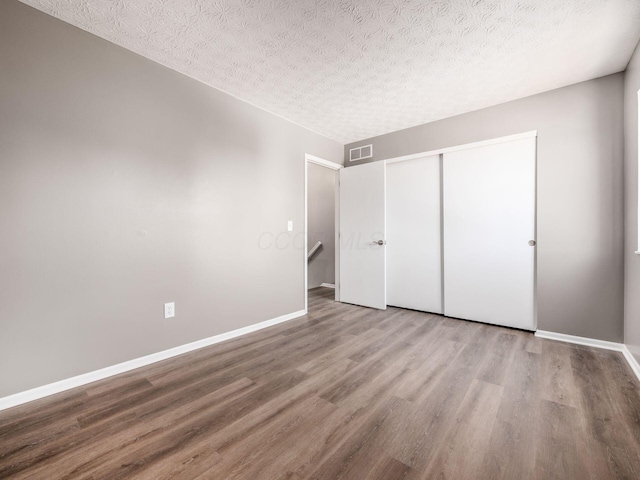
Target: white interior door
[
  {"x": 414, "y": 261},
  {"x": 489, "y": 219},
  {"x": 362, "y": 235}
]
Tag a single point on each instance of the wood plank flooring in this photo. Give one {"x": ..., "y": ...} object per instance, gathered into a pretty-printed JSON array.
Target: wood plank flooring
[{"x": 344, "y": 393}]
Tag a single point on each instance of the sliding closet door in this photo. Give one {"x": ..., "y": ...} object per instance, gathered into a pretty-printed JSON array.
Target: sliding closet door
[
  {"x": 362, "y": 235},
  {"x": 414, "y": 262},
  {"x": 489, "y": 221}
]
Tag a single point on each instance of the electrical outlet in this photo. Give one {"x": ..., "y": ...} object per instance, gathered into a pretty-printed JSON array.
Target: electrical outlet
[
  {"x": 290, "y": 226},
  {"x": 169, "y": 310}
]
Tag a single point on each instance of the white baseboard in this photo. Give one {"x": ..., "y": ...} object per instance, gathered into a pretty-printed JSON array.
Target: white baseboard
[
  {"x": 589, "y": 342},
  {"x": 592, "y": 342},
  {"x": 328, "y": 285},
  {"x": 85, "y": 378},
  {"x": 633, "y": 363}
]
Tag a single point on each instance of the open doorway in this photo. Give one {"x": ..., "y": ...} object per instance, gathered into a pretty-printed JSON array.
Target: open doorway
[{"x": 321, "y": 227}]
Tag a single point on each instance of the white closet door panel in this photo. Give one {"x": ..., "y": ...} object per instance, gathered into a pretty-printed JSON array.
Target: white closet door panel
[
  {"x": 414, "y": 262},
  {"x": 489, "y": 218},
  {"x": 362, "y": 225}
]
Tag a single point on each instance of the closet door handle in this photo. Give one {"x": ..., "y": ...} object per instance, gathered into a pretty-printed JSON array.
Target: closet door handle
[
  {"x": 378, "y": 242},
  {"x": 532, "y": 243}
]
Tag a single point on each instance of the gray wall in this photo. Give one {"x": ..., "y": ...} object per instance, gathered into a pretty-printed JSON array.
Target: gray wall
[
  {"x": 124, "y": 185},
  {"x": 321, "y": 223},
  {"x": 632, "y": 261},
  {"x": 580, "y": 194}
]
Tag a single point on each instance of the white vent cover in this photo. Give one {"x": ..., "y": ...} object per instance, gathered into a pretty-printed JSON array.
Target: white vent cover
[{"x": 360, "y": 153}]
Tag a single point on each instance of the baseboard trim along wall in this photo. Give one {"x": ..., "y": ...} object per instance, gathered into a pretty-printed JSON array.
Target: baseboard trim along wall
[
  {"x": 589, "y": 342},
  {"x": 633, "y": 363},
  {"x": 85, "y": 378},
  {"x": 592, "y": 342},
  {"x": 328, "y": 285}
]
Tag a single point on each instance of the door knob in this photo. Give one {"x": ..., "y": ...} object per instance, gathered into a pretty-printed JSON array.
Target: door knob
[
  {"x": 378, "y": 242},
  {"x": 532, "y": 243}
]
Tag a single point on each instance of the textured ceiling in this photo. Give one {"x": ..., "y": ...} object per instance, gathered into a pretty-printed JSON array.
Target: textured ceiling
[{"x": 355, "y": 69}]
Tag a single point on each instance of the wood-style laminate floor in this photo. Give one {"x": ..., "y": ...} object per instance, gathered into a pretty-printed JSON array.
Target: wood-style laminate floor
[{"x": 344, "y": 393}]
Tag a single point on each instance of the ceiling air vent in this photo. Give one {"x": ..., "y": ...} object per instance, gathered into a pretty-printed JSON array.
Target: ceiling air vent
[{"x": 360, "y": 153}]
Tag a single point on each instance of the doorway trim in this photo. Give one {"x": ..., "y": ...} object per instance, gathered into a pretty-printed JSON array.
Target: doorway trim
[
  {"x": 308, "y": 158},
  {"x": 464, "y": 146}
]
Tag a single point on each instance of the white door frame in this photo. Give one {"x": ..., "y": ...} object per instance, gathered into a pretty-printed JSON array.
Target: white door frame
[
  {"x": 308, "y": 158},
  {"x": 492, "y": 141}
]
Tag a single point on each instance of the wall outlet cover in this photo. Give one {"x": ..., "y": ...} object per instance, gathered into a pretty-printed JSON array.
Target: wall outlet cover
[
  {"x": 169, "y": 310},
  {"x": 290, "y": 226}
]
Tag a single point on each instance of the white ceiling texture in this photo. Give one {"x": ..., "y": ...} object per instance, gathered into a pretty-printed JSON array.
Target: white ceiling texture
[{"x": 355, "y": 69}]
